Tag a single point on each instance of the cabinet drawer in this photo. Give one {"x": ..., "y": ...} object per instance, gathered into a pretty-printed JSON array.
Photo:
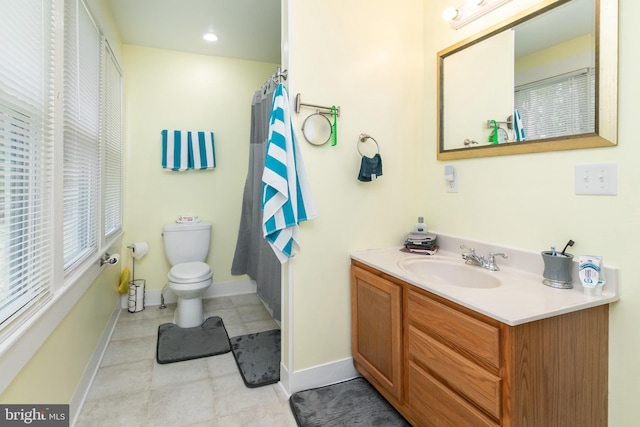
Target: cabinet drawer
[
  {"x": 438, "y": 406},
  {"x": 465, "y": 332},
  {"x": 460, "y": 373}
]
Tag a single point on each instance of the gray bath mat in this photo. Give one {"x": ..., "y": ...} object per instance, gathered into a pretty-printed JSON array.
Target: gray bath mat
[
  {"x": 258, "y": 357},
  {"x": 176, "y": 344},
  {"x": 351, "y": 403}
]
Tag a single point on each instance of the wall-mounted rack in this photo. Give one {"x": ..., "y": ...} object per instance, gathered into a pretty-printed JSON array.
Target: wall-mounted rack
[
  {"x": 509, "y": 123},
  {"x": 325, "y": 110}
]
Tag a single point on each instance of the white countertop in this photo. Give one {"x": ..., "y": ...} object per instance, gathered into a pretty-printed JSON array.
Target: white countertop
[{"x": 520, "y": 298}]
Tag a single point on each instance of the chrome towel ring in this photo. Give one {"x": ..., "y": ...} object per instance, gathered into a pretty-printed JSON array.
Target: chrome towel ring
[{"x": 362, "y": 138}]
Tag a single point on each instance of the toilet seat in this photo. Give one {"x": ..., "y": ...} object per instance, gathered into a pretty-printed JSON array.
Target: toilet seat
[{"x": 190, "y": 272}]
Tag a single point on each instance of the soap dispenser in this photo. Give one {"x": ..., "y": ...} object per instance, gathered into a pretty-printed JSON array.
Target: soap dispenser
[{"x": 420, "y": 227}]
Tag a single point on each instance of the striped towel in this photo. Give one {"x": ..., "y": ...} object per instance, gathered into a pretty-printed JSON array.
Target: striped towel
[
  {"x": 175, "y": 150},
  {"x": 182, "y": 150},
  {"x": 518, "y": 127},
  {"x": 286, "y": 195},
  {"x": 202, "y": 150}
]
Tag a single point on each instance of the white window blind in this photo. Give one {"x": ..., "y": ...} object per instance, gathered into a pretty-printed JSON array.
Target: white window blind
[
  {"x": 81, "y": 133},
  {"x": 558, "y": 106},
  {"x": 26, "y": 159},
  {"x": 112, "y": 143}
]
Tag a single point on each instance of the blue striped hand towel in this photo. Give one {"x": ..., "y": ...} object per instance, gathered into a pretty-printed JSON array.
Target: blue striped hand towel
[
  {"x": 182, "y": 150},
  {"x": 175, "y": 150},
  {"x": 286, "y": 195},
  {"x": 518, "y": 127},
  {"x": 202, "y": 150}
]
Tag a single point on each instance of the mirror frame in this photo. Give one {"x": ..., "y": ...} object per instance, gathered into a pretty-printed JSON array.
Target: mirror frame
[{"x": 606, "y": 119}]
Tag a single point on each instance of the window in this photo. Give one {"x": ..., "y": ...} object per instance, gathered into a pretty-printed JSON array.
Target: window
[
  {"x": 86, "y": 131},
  {"x": 112, "y": 145},
  {"x": 558, "y": 106},
  {"x": 26, "y": 160},
  {"x": 81, "y": 133}
]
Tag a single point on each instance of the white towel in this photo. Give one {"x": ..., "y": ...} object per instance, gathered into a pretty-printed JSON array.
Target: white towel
[
  {"x": 286, "y": 195},
  {"x": 202, "y": 150},
  {"x": 175, "y": 150}
]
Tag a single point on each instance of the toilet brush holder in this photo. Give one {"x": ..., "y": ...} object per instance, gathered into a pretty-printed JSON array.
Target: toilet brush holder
[
  {"x": 136, "y": 295},
  {"x": 557, "y": 270}
]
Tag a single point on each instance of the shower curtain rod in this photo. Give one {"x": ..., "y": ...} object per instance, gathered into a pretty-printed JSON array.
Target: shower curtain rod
[{"x": 279, "y": 75}]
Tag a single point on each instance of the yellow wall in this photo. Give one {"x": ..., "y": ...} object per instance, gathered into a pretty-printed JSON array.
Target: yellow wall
[
  {"x": 173, "y": 90},
  {"x": 577, "y": 46},
  {"x": 53, "y": 373},
  {"x": 367, "y": 58},
  {"x": 528, "y": 201}
]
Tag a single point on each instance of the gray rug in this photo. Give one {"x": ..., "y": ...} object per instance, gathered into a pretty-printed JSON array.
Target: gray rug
[
  {"x": 351, "y": 403},
  {"x": 176, "y": 344},
  {"x": 258, "y": 357}
]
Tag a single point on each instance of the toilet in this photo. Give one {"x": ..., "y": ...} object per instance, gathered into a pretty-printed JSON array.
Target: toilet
[{"x": 186, "y": 246}]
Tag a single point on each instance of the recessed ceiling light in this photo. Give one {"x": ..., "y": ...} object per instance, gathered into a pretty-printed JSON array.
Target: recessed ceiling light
[{"x": 210, "y": 37}]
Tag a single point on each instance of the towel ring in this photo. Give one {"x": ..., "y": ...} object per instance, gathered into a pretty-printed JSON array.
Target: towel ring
[
  {"x": 317, "y": 128},
  {"x": 363, "y": 138}
]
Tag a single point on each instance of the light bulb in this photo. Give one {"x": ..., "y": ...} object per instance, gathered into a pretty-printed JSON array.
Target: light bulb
[
  {"x": 210, "y": 37},
  {"x": 475, "y": 2},
  {"x": 450, "y": 13}
]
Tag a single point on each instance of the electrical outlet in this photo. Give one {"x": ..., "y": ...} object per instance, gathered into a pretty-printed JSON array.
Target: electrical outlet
[
  {"x": 452, "y": 185},
  {"x": 597, "y": 179}
]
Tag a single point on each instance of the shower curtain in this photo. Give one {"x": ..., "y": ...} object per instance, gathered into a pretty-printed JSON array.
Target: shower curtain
[{"x": 253, "y": 255}]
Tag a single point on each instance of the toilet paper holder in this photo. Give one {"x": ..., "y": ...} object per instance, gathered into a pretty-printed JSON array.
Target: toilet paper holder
[{"x": 111, "y": 259}]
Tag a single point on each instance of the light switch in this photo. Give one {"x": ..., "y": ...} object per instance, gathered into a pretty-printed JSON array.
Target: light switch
[{"x": 597, "y": 179}]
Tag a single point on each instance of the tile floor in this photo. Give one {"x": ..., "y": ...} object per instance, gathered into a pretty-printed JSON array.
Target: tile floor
[{"x": 131, "y": 389}]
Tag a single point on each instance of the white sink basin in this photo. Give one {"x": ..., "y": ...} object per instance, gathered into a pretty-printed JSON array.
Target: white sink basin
[{"x": 450, "y": 273}]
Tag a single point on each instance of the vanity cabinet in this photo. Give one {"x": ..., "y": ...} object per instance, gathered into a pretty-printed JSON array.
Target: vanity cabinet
[
  {"x": 376, "y": 306},
  {"x": 457, "y": 367}
]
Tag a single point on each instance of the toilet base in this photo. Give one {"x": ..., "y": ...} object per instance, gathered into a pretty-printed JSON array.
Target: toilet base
[{"x": 189, "y": 312}]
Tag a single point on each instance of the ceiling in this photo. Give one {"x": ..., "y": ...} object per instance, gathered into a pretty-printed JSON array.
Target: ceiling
[
  {"x": 246, "y": 29},
  {"x": 561, "y": 24}
]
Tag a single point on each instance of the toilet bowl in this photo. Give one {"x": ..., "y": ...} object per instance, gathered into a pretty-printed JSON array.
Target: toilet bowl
[{"x": 189, "y": 281}]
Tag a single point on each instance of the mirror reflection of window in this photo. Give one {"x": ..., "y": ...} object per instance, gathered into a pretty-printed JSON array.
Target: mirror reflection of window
[{"x": 558, "y": 106}]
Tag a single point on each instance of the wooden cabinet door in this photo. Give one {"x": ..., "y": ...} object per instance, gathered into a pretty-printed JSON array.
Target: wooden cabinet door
[{"x": 376, "y": 306}]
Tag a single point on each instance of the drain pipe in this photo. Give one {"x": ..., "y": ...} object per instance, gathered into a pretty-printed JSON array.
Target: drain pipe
[{"x": 162, "y": 304}]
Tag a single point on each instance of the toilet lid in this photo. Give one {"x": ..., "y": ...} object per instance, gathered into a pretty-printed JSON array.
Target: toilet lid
[{"x": 190, "y": 272}]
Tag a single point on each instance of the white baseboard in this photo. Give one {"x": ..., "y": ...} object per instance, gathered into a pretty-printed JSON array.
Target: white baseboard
[
  {"x": 80, "y": 394},
  {"x": 317, "y": 376},
  {"x": 222, "y": 289}
]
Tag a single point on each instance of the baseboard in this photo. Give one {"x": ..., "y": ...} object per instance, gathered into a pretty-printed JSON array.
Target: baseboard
[
  {"x": 80, "y": 394},
  {"x": 317, "y": 376},
  {"x": 222, "y": 289}
]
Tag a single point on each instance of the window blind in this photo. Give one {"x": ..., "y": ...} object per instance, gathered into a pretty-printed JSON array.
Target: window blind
[
  {"x": 81, "y": 134},
  {"x": 26, "y": 159},
  {"x": 112, "y": 143},
  {"x": 559, "y": 106}
]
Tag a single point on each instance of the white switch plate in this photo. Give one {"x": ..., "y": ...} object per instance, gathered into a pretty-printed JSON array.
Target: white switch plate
[{"x": 597, "y": 179}]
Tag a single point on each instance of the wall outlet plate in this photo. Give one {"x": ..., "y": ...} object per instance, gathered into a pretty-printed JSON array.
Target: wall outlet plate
[
  {"x": 452, "y": 185},
  {"x": 597, "y": 179}
]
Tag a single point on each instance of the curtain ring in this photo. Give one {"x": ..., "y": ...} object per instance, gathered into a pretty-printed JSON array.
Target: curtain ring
[{"x": 363, "y": 138}]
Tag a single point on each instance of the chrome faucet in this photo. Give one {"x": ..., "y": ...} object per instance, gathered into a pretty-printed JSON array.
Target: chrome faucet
[{"x": 470, "y": 257}]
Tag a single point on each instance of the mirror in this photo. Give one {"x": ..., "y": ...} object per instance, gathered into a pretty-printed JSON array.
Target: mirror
[
  {"x": 317, "y": 129},
  {"x": 543, "y": 80}
]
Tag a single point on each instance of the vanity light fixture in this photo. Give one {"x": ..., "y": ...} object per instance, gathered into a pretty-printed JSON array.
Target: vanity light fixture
[
  {"x": 210, "y": 37},
  {"x": 469, "y": 12}
]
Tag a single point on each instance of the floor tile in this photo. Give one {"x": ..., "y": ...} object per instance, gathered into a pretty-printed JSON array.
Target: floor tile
[
  {"x": 132, "y": 389},
  {"x": 181, "y": 405}
]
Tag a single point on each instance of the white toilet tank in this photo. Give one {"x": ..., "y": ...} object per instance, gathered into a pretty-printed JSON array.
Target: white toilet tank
[{"x": 186, "y": 242}]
